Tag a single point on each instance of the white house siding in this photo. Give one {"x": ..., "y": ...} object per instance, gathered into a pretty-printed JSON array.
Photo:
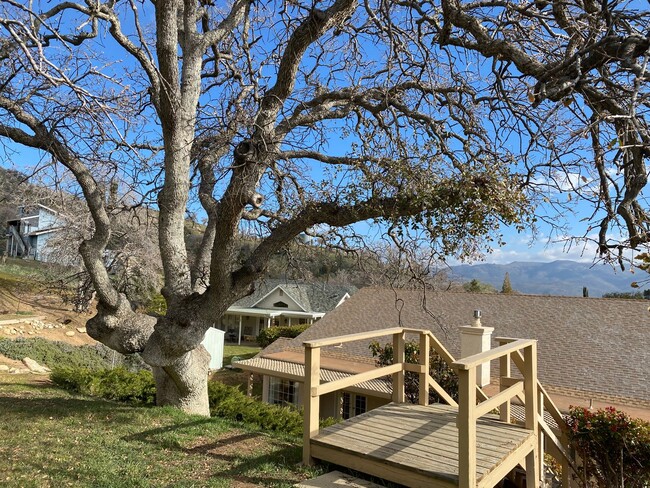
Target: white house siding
[{"x": 278, "y": 295}]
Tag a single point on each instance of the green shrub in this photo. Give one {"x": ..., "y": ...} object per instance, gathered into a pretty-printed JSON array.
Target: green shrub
[
  {"x": 270, "y": 335},
  {"x": 230, "y": 402},
  {"x": 72, "y": 379},
  {"x": 225, "y": 401},
  {"x": 52, "y": 353},
  {"x": 116, "y": 384},
  {"x": 57, "y": 354},
  {"x": 614, "y": 447},
  {"x": 439, "y": 370}
]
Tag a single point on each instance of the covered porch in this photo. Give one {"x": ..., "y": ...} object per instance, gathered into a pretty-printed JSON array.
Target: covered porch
[{"x": 245, "y": 324}]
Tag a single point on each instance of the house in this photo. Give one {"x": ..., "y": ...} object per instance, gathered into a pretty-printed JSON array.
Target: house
[
  {"x": 29, "y": 232},
  {"x": 591, "y": 351},
  {"x": 280, "y": 303}
]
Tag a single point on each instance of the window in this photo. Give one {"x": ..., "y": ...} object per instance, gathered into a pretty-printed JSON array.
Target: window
[
  {"x": 302, "y": 321},
  {"x": 283, "y": 392},
  {"x": 280, "y": 305},
  {"x": 353, "y": 405},
  {"x": 359, "y": 404}
]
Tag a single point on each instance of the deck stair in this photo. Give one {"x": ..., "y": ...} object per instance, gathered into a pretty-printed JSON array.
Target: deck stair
[
  {"x": 472, "y": 443},
  {"x": 21, "y": 241}
]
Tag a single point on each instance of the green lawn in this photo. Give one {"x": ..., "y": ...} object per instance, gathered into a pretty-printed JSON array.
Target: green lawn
[
  {"x": 51, "y": 438},
  {"x": 242, "y": 352}
]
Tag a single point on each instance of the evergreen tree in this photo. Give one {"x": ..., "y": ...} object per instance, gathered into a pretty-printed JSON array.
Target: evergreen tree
[{"x": 506, "y": 287}]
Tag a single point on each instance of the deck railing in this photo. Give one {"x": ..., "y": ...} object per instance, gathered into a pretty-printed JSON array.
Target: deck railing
[
  {"x": 473, "y": 402},
  {"x": 553, "y": 441},
  {"x": 469, "y": 411},
  {"x": 313, "y": 390}
]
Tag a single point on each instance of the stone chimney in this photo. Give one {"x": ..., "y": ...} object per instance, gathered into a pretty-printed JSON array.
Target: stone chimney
[{"x": 475, "y": 339}]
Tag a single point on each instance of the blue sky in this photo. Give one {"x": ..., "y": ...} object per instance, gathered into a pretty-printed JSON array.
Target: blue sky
[{"x": 526, "y": 246}]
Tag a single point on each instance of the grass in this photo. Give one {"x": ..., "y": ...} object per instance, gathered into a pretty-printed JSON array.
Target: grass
[
  {"x": 241, "y": 352},
  {"x": 53, "y": 438},
  {"x": 237, "y": 377}
]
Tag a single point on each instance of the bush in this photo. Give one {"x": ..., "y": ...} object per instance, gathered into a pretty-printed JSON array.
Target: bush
[
  {"x": 57, "y": 354},
  {"x": 53, "y": 353},
  {"x": 614, "y": 447},
  {"x": 225, "y": 401},
  {"x": 270, "y": 335},
  {"x": 439, "y": 370},
  {"x": 230, "y": 402},
  {"x": 116, "y": 384}
]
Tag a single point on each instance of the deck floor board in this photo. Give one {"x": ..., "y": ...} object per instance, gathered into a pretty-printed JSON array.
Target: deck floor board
[{"x": 413, "y": 443}]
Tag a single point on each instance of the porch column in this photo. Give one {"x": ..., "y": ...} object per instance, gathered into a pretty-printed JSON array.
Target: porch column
[
  {"x": 475, "y": 339},
  {"x": 268, "y": 322},
  {"x": 289, "y": 321},
  {"x": 239, "y": 335}
]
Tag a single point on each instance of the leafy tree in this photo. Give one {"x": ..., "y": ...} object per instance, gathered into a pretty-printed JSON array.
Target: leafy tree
[
  {"x": 476, "y": 286},
  {"x": 507, "y": 287},
  {"x": 285, "y": 119},
  {"x": 439, "y": 370},
  {"x": 628, "y": 295}
]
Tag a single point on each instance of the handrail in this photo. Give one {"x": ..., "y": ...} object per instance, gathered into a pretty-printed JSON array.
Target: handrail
[
  {"x": 335, "y": 341},
  {"x": 483, "y": 357},
  {"x": 469, "y": 412},
  {"x": 339, "y": 384},
  {"x": 560, "y": 442},
  {"x": 431, "y": 383},
  {"x": 488, "y": 405}
]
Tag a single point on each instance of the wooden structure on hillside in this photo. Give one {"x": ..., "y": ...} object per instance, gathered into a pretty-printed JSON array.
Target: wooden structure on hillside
[{"x": 461, "y": 444}]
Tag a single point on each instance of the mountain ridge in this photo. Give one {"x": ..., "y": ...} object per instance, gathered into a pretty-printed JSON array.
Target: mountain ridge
[{"x": 561, "y": 277}]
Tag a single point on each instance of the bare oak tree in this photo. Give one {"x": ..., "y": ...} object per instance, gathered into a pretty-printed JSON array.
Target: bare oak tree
[{"x": 286, "y": 118}]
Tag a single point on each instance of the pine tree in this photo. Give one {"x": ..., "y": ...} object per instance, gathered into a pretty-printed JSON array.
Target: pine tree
[{"x": 506, "y": 287}]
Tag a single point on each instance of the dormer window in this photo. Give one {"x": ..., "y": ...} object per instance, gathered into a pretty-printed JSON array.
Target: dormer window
[{"x": 280, "y": 305}]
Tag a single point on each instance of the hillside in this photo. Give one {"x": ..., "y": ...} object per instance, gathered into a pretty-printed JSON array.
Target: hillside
[{"x": 564, "y": 278}]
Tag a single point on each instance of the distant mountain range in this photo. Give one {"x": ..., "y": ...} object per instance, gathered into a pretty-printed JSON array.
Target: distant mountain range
[{"x": 564, "y": 278}]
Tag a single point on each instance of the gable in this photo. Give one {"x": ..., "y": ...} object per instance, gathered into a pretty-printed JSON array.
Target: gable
[{"x": 279, "y": 299}]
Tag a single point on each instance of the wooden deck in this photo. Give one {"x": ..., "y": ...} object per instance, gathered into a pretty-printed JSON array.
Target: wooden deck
[{"x": 417, "y": 445}]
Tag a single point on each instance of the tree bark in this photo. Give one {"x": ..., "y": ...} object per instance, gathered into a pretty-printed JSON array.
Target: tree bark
[{"x": 183, "y": 384}]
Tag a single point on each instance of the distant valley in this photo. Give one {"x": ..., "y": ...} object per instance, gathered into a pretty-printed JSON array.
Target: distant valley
[{"x": 564, "y": 278}]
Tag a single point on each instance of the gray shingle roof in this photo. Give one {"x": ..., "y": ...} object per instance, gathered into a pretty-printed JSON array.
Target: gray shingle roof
[
  {"x": 592, "y": 345},
  {"x": 313, "y": 297}
]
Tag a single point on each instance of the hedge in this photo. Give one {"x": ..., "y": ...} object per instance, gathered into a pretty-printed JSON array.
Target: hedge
[
  {"x": 225, "y": 401},
  {"x": 270, "y": 335}
]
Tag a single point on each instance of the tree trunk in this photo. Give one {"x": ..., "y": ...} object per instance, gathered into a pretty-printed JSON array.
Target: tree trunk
[
  {"x": 184, "y": 383},
  {"x": 181, "y": 377}
]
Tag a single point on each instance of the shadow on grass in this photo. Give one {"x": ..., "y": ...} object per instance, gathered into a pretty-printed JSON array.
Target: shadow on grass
[
  {"x": 238, "y": 453},
  {"x": 56, "y": 406}
]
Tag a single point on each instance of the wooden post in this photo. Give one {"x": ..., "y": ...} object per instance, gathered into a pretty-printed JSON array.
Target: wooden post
[
  {"x": 566, "y": 477},
  {"x": 424, "y": 361},
  {"x": 541, "y": 437},
  {"x": 310, "y": 401},
  {"x": 504, "y": 371},
  {"x": 533, "y": 475},
  {"x": 398, "y": 357},
  {"x": 239, "y": 334},
  {"x": 466, "y": 423}
]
